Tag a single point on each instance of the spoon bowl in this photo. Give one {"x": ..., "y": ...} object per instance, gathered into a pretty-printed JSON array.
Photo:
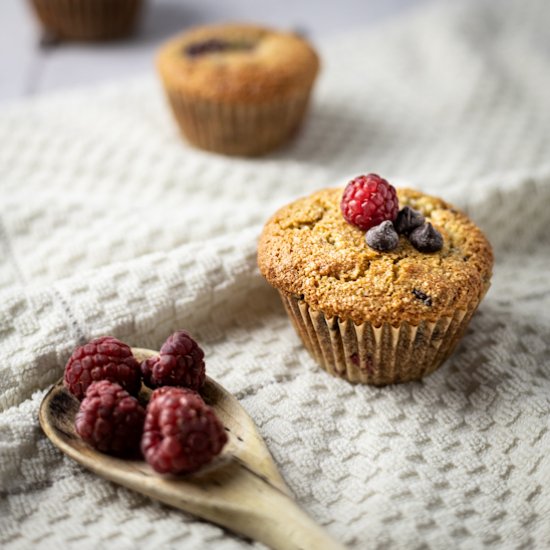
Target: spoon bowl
[{"x": 241, "y": 490}]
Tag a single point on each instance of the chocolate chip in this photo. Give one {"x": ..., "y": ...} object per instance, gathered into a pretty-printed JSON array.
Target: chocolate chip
[
  {"x": 426, "y": 238},
  {"x": 408, "y": 219},
  {"x": 422, "y": 296},
  {"x": 215, "y": 45},
  {"x": 382, "y": 237}
]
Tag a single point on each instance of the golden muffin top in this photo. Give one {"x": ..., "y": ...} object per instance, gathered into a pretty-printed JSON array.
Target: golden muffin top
[
  {"x": 309, "y": 250},
  {"x": 238, "y": 63}
]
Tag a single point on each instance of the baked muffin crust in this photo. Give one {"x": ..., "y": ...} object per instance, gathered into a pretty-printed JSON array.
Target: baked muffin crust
[
  {"x": 269, "y": 65},
  {"x": 307, "y": 249}
]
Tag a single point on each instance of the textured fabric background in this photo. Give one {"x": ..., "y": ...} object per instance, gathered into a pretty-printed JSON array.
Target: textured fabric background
[{"x": 109, "y": 224}]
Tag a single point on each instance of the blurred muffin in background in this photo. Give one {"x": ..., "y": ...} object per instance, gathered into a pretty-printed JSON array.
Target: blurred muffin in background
[
  {"x": 238, "y": 89},
  {"x": 88, "y": 19}
]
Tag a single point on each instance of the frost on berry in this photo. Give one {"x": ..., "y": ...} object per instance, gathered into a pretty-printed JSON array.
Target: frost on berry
[
  {"x": 104, "y": 358},
  {"x": 179, "y": 363},
  {"x": 181, "y": 433},
  {"x": 110, "y": 419}
]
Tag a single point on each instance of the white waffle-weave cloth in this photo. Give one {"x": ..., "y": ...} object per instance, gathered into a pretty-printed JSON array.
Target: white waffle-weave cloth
[{"x": 110, "y": 224}]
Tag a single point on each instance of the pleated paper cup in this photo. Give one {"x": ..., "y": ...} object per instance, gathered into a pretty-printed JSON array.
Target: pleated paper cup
[
  {"x": 88, "y": 19},
  {"x": 377, "y": 355},
  {"x": 239, "y": 129}
]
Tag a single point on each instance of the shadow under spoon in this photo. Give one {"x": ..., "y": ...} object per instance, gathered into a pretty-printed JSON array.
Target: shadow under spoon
[{"x": 241, "y": 490}]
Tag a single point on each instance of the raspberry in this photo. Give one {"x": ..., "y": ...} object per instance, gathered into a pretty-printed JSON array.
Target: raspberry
[
  {"x": 110, "y": 419},
  {"x": 181, "y": 432},
  {"x": 167, "y": 389},
  {"x": 102, "y": 359},
  {"x": 368, "y": 201},
  {"x": 179, "y": 363}
]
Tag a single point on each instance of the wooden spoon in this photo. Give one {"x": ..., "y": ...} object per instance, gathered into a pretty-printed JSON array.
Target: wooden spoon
[{"x": 241, "y": 490}]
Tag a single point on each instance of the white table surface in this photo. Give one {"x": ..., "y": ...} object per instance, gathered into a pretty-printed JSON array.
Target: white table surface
[{"x": 27, "y": 69}]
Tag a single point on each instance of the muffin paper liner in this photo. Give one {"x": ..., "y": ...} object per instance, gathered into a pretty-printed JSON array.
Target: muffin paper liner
[
  {"x": 238, "y": 129},
  {"x": 88, "y": 19},
  {"x": 376, "y": 355}
]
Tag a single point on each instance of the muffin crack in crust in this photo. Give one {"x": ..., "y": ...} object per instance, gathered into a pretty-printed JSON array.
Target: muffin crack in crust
[{"x": 307, "y": 248}]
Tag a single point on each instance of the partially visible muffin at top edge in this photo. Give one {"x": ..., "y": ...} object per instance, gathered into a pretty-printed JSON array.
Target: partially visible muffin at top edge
[
  {"x": 238, "y": 89},
  {"x": 88, "y": 20}
]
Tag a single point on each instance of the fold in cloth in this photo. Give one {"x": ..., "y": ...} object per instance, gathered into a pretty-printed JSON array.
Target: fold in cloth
[{"x": 109, "y": 224}]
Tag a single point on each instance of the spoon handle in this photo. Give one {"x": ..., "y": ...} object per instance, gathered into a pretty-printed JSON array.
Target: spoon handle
[
  {"x": 282, "y": 525},
  {"x": 248, "y": 503},
  {"x": 243, "y": 492}
]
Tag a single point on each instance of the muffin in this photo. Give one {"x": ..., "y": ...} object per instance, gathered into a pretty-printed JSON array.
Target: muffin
[
  {"x": 238, "y": 89},
  {"x": 376, "y": 316},
  {"x": 88, "y": 19}
]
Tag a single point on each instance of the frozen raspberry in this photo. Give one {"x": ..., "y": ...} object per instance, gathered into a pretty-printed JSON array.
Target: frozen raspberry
[
  {"x": 105, "y": 358},
  {"x": 163, "y": 390},
  {"x": 368, "y": 201},
  {"x": 181, "y": 432},
  {"x": 110, "y": 419},
  {"x": 179, "y": 363}
]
